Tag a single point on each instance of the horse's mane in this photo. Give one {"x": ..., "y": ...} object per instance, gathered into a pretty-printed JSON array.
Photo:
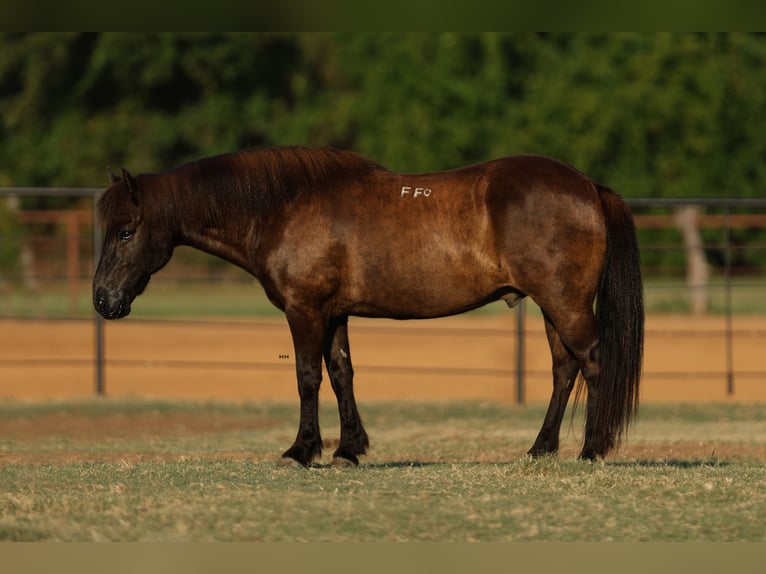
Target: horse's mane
[{"x": 256, "y": 182}]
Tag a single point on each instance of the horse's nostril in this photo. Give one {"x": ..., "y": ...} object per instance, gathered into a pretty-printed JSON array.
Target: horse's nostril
[
  {"x": 99, "y": 297},
  {"x": 111, "y": 305},
  {"x": 101, "y": 301}
]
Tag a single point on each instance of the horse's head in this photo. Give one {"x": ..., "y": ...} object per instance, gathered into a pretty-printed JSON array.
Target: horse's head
[{"x": 137, "y": 243}]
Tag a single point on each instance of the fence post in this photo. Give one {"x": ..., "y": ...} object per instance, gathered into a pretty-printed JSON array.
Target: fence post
[
  {"x": 520, "y": 353},
  {"x": 98, "y": 320},
  {"x": 727, "y": 301}
]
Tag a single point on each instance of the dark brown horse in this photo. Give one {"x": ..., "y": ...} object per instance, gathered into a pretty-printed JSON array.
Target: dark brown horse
[{"x": 331, "y": 234}]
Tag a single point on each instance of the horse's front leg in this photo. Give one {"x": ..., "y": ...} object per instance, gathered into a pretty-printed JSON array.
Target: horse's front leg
[
  {"x": 308, "y": 333},
  {"x": 353, "y": 437}
]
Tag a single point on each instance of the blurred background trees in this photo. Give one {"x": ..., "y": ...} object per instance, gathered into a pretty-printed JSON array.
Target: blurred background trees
[
  {"x": 652, "y": 115},
  {"x": 661, "y": 115}
]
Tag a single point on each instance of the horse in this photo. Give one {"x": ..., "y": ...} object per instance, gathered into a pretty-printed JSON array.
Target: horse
[{"x": 330, "y": 234}]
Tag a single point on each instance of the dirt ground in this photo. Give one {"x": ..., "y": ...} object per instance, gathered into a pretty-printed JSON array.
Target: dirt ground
[
  {"x": 465, "y": 357},
  {"x": 446, "y": 359}
]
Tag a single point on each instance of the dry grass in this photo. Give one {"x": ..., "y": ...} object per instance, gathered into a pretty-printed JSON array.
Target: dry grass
[{"x": 450, "y": 472}]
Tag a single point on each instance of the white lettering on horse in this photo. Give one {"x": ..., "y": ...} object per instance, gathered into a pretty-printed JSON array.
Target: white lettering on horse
[{"x": 415, "y": 191}]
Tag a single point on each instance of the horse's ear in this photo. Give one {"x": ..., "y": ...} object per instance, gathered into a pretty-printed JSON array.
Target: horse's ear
[
  {"x": 130, "y": 183},
  {"x": 112, "y": 178}
]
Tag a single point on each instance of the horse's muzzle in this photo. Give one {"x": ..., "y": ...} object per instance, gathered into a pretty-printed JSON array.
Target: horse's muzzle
[{"x": 111, "y": 305}]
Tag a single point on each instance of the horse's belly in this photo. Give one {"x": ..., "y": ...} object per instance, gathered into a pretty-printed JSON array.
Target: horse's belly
[{"x": 433, "y": 289}]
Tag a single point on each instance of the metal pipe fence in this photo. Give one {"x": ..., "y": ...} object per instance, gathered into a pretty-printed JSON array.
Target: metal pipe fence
[{"x": 722, "y": 217}]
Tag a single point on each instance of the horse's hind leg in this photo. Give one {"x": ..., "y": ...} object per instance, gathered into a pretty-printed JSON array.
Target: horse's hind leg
[
  {"x": 337, "y": 356},
  {"x": 565, "y": 369},
  {"x": 578, "y": 335}
]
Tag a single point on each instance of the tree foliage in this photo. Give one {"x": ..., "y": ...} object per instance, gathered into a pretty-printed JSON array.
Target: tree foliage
[{"x": 652, "y": 115}]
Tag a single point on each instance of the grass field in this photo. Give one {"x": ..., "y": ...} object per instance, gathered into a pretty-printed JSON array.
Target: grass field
[{"x": 130, "y": 470}]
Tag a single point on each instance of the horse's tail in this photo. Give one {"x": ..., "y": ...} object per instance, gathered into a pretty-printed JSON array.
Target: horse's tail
[{"x": 620, "y": 321}]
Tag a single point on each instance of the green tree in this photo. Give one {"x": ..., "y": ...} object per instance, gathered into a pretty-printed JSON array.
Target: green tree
[
  {"x": 415, "y": 101},
  {"x": 655, "y": 115},
  {"x": 659, "y": 115},
  {"x": 73, "y": 103}
]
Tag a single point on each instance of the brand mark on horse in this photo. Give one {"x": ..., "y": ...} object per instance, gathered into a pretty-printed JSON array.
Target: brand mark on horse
[{"x": 416, "y": 191}]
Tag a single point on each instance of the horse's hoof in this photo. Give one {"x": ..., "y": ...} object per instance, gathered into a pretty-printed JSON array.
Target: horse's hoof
[
  {"x": 541, "y": 453},
  {"x": 587, "y": 456},
  {"x": 340, "y": 462},
  {"x": 287, "y": 462}
]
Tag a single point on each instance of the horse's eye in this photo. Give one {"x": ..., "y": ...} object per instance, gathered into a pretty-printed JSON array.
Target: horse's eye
[{"x": 126, "y": 235}]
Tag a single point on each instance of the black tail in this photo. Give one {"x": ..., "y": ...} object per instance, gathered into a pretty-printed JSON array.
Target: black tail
[{"x": 620, "y": 320}]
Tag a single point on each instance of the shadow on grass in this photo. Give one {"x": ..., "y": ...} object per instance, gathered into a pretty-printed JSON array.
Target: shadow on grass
[
  {"x": 670, "y": 463},
  {"x": 637, "y": 463},
  {"x": 406, "y": 464},
  {"x": 382, "y": 465}
]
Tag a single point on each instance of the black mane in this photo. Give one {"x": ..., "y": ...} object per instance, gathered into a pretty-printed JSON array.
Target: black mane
[{"x": 258, "y": 182}]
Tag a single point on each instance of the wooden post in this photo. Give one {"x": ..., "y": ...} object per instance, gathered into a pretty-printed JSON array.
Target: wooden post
[
  {"x": 73, "y": 259},
  {"x": 697, "y": 269},
  {"x": 727, "y": 305},
  {"x": 98, "y": 320},
  {"x": 520, "y": 367},
  {"x": 71, "y": 219}
]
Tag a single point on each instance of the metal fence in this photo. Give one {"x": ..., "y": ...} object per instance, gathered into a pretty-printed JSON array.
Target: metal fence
[{"x": 719, "y": 221}]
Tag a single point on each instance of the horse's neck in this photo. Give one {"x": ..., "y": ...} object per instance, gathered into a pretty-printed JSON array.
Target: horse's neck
[
  {"x": 215, "y": 244},
  {"x": 227, "y": 235}
]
